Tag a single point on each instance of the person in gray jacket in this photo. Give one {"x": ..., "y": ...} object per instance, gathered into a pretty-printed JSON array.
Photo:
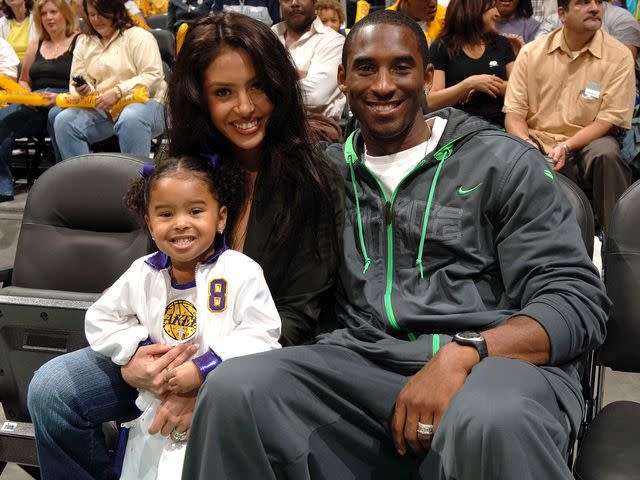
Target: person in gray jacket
[{"x": 465, "y": 291}]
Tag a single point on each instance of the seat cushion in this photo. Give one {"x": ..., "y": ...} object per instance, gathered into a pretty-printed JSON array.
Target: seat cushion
[{"x": 611, "y": 446}]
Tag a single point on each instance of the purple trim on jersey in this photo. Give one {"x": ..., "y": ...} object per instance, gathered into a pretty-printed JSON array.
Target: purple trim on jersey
[
  {"x": 160, "y": 260},
  {"x": 207, "y": 362},
  {"x": 144, "y": 343},
  {"x": 183, "y": 286}
]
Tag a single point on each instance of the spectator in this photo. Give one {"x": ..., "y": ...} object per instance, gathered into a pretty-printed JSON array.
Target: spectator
[
  {"x": 516, "y": 21},
  {"x": 429, "y": 14},
  {"x": 16, "y": 26},
  {"x": 8, "y": 60},
  {"x": 472, "y": 61},
  {"x": 332, "y": 14},
  {"x": 186, "y": 11},
  {"x": 398, "y": 393},
  {"x": 568, "y": 91},
  {"x": 251, "y": 114},
  {"x": 616, "y": 21},
  {"x": 45, "y": 69},
  {"x": 114, "y": 58},
  {"x": 315, "y": 50},
  {"x": 266, "y": 11}
]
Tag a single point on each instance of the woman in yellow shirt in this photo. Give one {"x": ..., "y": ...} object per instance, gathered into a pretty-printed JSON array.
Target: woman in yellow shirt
[{"x": 16, "y": 27}]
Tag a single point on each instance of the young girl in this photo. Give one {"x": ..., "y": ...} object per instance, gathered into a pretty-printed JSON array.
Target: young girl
[{"x": 194, "y": 289}]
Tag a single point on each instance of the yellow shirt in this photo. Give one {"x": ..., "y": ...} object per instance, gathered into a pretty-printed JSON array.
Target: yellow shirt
[
  {"x": 559, "y": 94},
  {"x": 436, "y": 25},
  {"x": 153, "y": 7},
  {"x": 19, "y": 37}
]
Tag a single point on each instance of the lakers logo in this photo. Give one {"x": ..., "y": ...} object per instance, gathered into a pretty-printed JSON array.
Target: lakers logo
[{"x": 180, "y": 321}]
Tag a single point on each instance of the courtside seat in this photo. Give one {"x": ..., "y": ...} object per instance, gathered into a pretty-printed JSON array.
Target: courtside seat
[{"x": 76, "y": 239}]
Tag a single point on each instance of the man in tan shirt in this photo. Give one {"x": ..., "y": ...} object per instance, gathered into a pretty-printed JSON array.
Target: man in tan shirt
[{"x": 567, "y": 92}]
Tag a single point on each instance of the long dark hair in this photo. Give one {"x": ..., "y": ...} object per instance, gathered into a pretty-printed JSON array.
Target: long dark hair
[
  {"x": 114, "y": 10},
  {"x": 8, "y": 12},
  {"x": 292, "y": 167},
  {"x": 463, "y": 25},
  {"x": 524, "y": 9}
]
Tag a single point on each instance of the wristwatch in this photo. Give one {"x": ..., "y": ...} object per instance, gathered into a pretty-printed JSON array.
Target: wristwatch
[
  {"x": 565, "y": 147},
  {"x": 472, "y": 339}
]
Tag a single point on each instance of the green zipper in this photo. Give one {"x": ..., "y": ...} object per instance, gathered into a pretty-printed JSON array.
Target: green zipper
[{"x": 442, "y": 154}]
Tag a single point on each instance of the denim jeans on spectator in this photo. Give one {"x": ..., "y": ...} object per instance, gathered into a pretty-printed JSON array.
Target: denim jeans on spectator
[
  {"x": 18, "y": 121},
  {"x": 69, "y": 399},
  {"x": 138, "y": 124}
]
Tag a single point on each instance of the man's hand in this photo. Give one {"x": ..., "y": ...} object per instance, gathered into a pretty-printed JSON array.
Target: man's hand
[
  {"x": 146, "y": 369},
  {"x": 427, "y": 394},
  {"x": 174, "y": 413},
  {"x": 559, "y": 157},
  {"x": 184, "y": 378}
]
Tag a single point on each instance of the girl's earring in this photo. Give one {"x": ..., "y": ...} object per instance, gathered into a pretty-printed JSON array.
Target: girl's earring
[{"x": 220, "y": 232}]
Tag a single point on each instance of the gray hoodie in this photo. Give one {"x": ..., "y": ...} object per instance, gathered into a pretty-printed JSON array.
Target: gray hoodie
[{"x": 477, "y": 233}]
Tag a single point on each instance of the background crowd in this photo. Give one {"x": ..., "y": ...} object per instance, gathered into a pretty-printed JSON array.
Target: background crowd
[{"x": 475, "y": 45}]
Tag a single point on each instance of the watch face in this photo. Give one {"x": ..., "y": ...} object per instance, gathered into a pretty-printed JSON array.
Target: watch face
[{"x": 469, "y": 335}]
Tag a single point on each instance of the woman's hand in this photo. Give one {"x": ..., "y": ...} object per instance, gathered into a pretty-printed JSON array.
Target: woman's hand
[
  {"x": 82, "y": 89},
  {"x": 174, "y": 413},
  {"x": 25, "y": 85},
  {"x": 106, "y": 100},
  {"x": 146, "y": 369},
  {"x": 489, "y": 84},
  {"x": 516, "y": 41},
  {"x": 51, "y": 98}
]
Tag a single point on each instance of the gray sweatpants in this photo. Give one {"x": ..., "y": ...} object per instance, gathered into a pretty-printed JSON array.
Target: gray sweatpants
[{"x": 324, "y": 412}]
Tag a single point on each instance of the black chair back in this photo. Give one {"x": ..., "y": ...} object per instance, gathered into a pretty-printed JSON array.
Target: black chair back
[
  {"x": 582, "y": 209},
  {"x": 166, "y": 44},
  {"x": 621, "y": 348}
]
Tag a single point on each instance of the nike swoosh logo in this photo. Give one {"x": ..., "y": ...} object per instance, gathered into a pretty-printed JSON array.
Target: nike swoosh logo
[{"x": 462, "y": 191}]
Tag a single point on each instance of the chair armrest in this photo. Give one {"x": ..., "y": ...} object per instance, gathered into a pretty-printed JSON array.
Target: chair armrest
[{"x": 17, "y": 443}]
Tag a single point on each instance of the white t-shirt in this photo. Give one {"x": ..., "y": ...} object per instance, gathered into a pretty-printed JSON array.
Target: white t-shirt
[
  {"x": 8, "y": 59},
  {"x": 391, "y": 169}
]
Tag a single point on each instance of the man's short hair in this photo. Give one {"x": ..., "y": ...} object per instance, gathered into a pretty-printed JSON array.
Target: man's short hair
[
  {"x": 389, "y": 17},
  {"x": 564, "y": 4}
]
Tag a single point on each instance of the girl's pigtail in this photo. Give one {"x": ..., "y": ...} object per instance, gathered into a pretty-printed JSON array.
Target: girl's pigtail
[{"x": 134, "y": 199}]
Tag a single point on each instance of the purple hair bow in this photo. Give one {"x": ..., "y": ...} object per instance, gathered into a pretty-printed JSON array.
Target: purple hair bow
[
  {"x": 213, "y": 159},
  {"x": 147, "y": 169}
]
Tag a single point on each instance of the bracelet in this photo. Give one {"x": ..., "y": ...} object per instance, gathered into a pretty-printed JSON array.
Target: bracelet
[
  {"x": 118, "y": 92},
  {"x": 565, "y": 147}
]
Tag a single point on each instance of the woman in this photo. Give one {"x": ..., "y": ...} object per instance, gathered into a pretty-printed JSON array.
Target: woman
[
  {"x": 472, "y": 61},
  {"x": 251, "y": 114},
  {"x": 516, "y": 20},
  {"x": 45, "y": 68},
  {"x": 16, "y": 26},
  {"x": 113, "y": 58}
]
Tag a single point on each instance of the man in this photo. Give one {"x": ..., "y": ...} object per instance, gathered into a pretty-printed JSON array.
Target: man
[
  {"x": 616, "y": 21},
  {"x": 567, "y": 92},
  {"x": 428, "y": 13},
  {"x": 315, "y": 50},
  {"x": 450, "y": 226}
]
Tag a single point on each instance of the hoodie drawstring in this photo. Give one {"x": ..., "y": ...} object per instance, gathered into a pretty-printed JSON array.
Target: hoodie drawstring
[{"x": 441, "y": 155}]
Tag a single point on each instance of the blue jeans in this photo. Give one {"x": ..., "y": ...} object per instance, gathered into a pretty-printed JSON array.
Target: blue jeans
[
  {"x": 18, "y": 121},
  {"x": 138, "y": 124},
  {"x": 69, "y": 399}
]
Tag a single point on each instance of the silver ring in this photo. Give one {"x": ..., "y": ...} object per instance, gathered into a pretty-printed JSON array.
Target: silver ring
[
  {"x": 178, "y": 436},
  {"x": 425, "y": 429}
]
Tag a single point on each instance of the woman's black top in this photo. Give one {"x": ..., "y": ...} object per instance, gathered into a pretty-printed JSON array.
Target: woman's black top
[
  {"x": 51, "y": 73},
  {"x": 493, "y": 61}
]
